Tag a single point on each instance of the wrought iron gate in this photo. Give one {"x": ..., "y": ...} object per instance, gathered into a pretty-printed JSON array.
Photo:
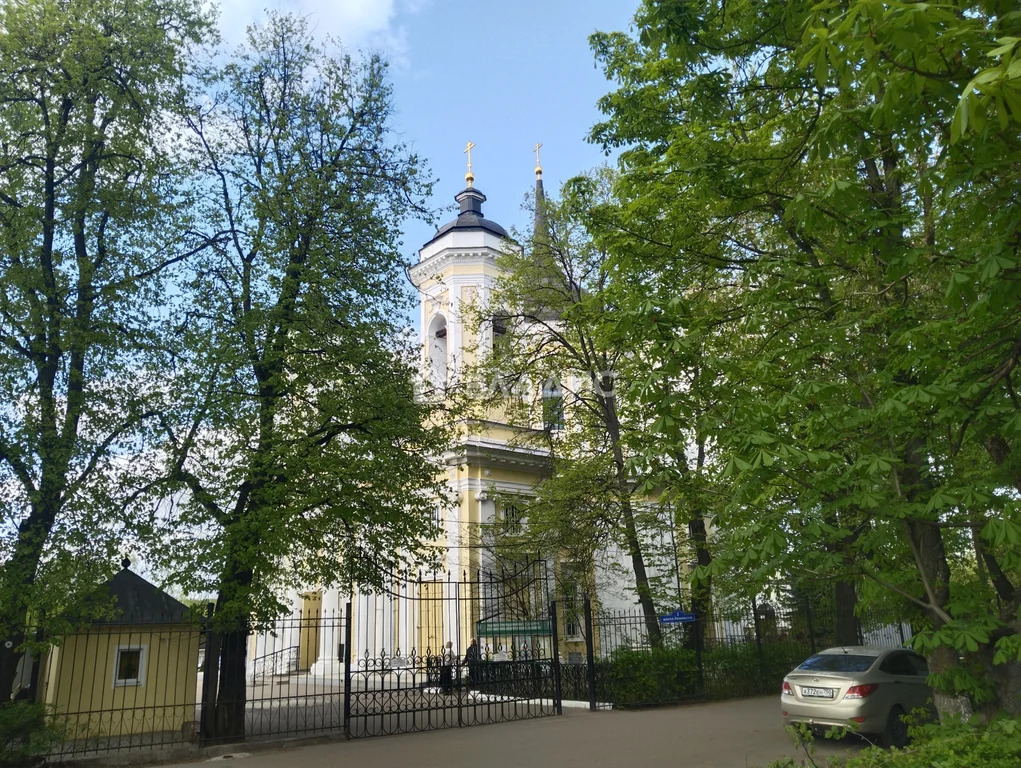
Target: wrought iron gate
[{"x": 446, "y": 652}]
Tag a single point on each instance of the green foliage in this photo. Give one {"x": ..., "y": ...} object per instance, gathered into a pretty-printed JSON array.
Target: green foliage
[
  {"x": 292, "y": 443},
  {"x": 954, "y": 744},
  {"x": 804, "y": 738},
  {"x": 94, "y": 217},
  {"x": 25, "y": 733},
  {"x": 951, "y": 745},
  {"x": 650, "y": 676},
  {"x": 818, "y": 214}
]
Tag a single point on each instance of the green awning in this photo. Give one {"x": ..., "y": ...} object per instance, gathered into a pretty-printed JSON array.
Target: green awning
[{"x": 495, "y": 628}]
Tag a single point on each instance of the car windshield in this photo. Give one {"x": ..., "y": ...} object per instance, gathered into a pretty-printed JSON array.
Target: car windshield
[{"x": 838, "y": 662}]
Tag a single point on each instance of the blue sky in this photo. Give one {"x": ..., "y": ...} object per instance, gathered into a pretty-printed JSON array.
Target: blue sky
[{"x": 501, "y": 74}]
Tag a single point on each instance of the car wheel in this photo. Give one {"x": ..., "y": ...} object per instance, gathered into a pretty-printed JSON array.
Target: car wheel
[{"x": 896, "y": 733}]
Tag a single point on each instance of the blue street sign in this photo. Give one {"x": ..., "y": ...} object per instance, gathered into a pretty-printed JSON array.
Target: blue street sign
[{"x": 677, "y": 617}]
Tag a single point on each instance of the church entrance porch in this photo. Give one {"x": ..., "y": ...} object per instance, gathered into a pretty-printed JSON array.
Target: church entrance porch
[{"x": 431, "y": 653}]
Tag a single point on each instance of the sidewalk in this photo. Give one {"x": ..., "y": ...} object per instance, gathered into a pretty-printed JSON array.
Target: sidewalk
[{"x": 728, "y": 734}]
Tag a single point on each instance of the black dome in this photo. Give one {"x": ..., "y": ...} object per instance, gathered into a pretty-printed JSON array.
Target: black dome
[{"x": 470, "y": 217}]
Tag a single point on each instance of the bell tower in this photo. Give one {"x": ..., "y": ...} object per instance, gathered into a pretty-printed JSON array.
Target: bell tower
[
  {"x": 489, "y": 463},
  {"x": 456, "y": 270}
]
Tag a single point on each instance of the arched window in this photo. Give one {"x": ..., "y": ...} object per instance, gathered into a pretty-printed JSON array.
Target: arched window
[
  {"x": 436, "y": 339},
  {"x": 552, "y": 406}
]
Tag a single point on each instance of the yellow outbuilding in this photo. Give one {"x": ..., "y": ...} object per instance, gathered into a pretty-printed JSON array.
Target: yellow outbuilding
[{"x": 133, "y": 673}]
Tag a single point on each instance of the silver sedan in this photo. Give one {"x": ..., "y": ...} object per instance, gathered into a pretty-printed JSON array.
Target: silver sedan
[{"x": 867, "y": 689}]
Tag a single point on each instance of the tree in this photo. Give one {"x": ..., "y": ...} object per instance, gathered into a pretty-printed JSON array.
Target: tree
[
  {"x": 555, "y": 301},
  {"x": 296, "y": 452},
  {"x": 90, "y": 225},
  {"x": 840, "y": 181}
]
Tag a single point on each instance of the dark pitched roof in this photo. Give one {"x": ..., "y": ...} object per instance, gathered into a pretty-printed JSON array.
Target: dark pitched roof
[
  {"x": 137, "y": 601},
  {"x": 470, "y": 217}
]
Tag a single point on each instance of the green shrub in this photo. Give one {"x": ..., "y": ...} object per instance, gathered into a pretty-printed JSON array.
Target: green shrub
[
  {"x": 951, "y": 745},
  {"x": 737, "y": 670},
  {"x": 731, "y": 671},
  {"x": 639, "y": 677},
  {"x": 634, "y": 678},
  {"x": 25, "y": 733}
]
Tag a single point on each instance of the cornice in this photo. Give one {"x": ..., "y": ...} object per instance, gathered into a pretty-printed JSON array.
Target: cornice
[
  {"x": 496, "y": 455},
  {"x": 451, "y": 257}
]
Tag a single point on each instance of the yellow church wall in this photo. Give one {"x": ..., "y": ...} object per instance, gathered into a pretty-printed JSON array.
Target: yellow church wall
[
  {"x": 500, "y": 432},
  {"x": 431, "y": 632},
  {"x": 310, "y": 629},
  {"x": 469, "y": 512},
  {"x": 439, "y": 303},
  {"x": 79, "y": 681},
  {"x": 506, "y": 475},
  {"x": 433, "y": 306}
]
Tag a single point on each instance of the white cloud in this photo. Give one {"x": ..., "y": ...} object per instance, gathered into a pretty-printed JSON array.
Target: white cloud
[{"x": 367, "y": 25}]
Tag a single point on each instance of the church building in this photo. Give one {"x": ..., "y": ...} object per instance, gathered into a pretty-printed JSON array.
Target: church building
[{"x": 491, "y": 464}]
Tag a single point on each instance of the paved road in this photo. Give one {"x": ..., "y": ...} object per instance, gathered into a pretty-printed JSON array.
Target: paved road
[{"x": 729, "y": 734}]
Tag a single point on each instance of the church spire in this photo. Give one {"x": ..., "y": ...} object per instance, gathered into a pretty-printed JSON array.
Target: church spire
[{"x": 540, "y": 227}]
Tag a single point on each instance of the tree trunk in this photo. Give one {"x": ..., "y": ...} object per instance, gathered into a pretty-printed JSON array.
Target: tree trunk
[
  {"x": 232, "y": 629},
  {"x": 942, "y": 660},
  {"x": 18, "y": 579},
  {"x": 702, "y": 592},
  {"x": 229, "y": 717},
  {"x": 641, "y": 576},
  {"x": 210, "y": 682},
  {"x": 930, "y": 557},
  {"x": 845, "y": 599},
  {"x": 926, "y": 541},
  {"x": 1006, "y": 679},
  {"x": 631, "y": 538},
  {"x": 999, "y": 451}
]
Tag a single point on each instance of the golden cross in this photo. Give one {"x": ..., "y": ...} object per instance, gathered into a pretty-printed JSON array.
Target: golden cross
[
  {"x": 468, "y": 150},
  {"x": 536, "y": 149}
]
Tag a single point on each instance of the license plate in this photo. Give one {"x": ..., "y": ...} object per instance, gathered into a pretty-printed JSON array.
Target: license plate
[{"x": 820, "y": 693}]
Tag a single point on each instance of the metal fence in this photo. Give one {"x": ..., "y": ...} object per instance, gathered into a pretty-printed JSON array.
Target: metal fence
[
  {"x": 443, "y": 652},
  {"x": 743, "y": 651},
  {"x": 293, "y": 681},
  {"x": 116, "y": 687},
  {"x": 421, "y": 654}
]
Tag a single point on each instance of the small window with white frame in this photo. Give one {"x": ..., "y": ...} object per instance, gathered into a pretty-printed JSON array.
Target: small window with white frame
[{"x": 129, "y": 666}]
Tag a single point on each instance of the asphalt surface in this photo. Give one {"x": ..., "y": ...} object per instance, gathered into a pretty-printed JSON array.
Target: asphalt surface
[{"x": 728, "y": 734}]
